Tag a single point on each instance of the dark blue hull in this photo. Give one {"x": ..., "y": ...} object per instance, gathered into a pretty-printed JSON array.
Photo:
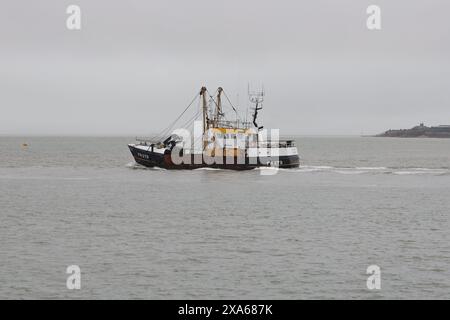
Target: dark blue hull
[{"x": 149, "y": 158}]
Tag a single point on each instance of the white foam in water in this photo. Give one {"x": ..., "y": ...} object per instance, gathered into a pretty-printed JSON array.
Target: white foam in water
[
  {"x": 318, "y": 167},
  {"x": 313, "y": 168},
  {"x": 414, "y": 171},
  {"x": 307, "y": 170},
  {"x": 135, "y": 165},
  {"x": 406, "y": 172},
  {"x": 373, "y": 170},
  {"x": 350, "y": 171},
  {"x": 131, "y": 164}
]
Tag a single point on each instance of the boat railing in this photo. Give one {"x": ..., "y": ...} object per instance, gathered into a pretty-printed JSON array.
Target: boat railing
[
  {"x": 233, "y": 124},
  {"x": 144, "y": 141},
  {"x": 261, "y": 144},
  {"x": 277, "y": 144}
]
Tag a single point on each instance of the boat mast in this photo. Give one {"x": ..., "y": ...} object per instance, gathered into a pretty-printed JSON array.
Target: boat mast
[
  {"x": 205, "y": 109},
  {"x": 218, "y": 113}
]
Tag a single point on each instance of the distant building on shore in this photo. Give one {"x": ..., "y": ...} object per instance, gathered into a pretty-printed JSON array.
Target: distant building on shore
[{"x": 442, "y": 131}]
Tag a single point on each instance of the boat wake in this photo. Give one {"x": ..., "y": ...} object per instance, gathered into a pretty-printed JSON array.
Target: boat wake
[
  {"x": 405, "y": 171},
  {"x": 136, "y": 166},
  {"x": 209, "y": 169},
  {"x": 375, "y": 170}
]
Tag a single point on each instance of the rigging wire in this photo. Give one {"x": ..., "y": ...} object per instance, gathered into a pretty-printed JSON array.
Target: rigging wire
[
  {"x": 230, "y": 103},
  {"x": 192, "y": 119},
  {"x": 170, "y": 126},
  {"x": 167, "y": 129}
]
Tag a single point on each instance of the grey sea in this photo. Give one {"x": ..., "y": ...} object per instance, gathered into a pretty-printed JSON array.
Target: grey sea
[{"x": 306, "y": 233}]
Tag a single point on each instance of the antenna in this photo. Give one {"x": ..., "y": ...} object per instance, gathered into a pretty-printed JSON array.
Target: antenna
[{"x": 256, "y": 97}]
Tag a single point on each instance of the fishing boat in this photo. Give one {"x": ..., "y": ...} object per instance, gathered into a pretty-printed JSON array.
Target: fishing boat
[{"x": 217, "y": 141}]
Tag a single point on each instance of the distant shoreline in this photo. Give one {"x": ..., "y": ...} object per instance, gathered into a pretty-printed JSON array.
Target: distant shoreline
[{"x": 420, "y": 131}]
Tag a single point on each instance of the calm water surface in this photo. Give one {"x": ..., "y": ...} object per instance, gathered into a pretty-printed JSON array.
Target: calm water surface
[{"x": 154, "y": 234}]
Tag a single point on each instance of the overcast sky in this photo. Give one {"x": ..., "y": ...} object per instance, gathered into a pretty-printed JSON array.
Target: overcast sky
[{"x": 135, "y": 65}]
